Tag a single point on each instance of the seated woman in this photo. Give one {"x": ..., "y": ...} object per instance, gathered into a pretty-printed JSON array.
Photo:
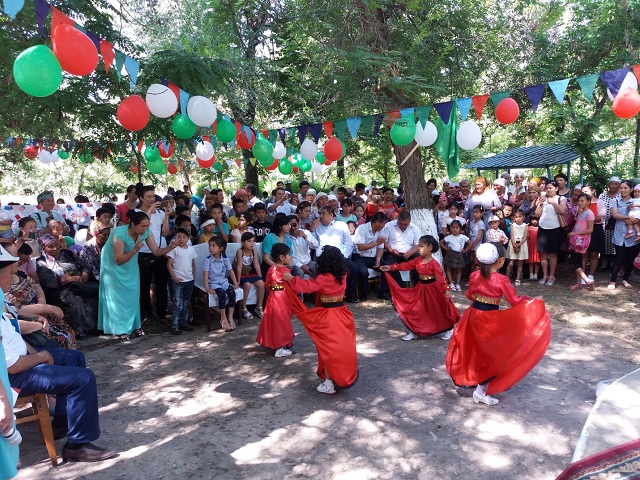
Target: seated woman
[
  {"x": 92, "y": 249},
  {"x": 28, "y": 298},
  {"x": 65, "y": 281}
]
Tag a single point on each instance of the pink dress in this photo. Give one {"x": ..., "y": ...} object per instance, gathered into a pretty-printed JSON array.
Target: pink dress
[{"x": 532, "y": 243}]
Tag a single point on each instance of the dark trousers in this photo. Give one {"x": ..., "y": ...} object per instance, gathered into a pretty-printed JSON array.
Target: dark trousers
[
  {"x": 182, "y": 296},
  {"x": 389, "y": 259},
  {"x": 352, "y": 280},
  {"x": 226, "y": 296},
  {"x": 624, "y": 257},
  {"x": 363, "y": 264},
  {"x": 156, "y": 273},
  {"x": 75, "y": 388}
]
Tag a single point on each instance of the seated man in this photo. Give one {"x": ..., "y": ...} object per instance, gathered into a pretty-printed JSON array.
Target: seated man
[
  {"x": 52, "y": 371},
  {"x": 401, "y": 245},
  {"x": 369, "y": 241}
]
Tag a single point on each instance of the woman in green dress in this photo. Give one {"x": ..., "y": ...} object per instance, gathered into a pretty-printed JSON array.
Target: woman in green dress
[{"x": 119, "y": 305}]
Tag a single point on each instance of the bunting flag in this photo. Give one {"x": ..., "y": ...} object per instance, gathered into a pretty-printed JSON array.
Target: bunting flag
[
  {"x": 613, "y": 79},
  {"x": 446, "y": 144},
  {"x": 444, "y": 109},
  {"x": 464, "y": 105},
  {"x": 42, "y": 9},
  {"x": 184, "y": 99},
  {"x": 273, "y": 136},
  {"x": 133, "y": 67},
  {"x": 328, "y": 128},
  {"x": 12, "y": 7},
  {"x": 587, "y": 83},
  {"x": 406, "y": 112},
  {"x": 315, "y": 130},
  {"x": 354, "y": 123},
  {"x": 302, "y": 133},
  {"x": 58, "y": 18},
  {"x": 479, "y": 101},
  {"x": 377, "y": 123},
  {"x": 497, "y": 97},
  {"x": 95, "y": 39},
  {"x": 423, "y": 114},
  {"x": 108, "y": 56},
  {"x": 283, "y": 136},
  {"x": 365, "y": 126},
  {"x": 534, "y": 94},
  {"x": 292, "y": 135},
  {"x": 340, "y": 126},
  {"x": 636, "y": 72},
  {"x": 119, "y": 63},
  {"x": 559, "y": 88}
]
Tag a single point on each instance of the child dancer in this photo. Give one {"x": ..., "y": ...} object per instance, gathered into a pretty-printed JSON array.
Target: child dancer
[
  {"x": 579, "y": 240},
  {"x": 276, "y": 331},
  {"x": 330, "y": 324},
  {"x": 495, "y": 349},
  {"x": 427, "y": 308},
  {"x": 532, "y": 245},
  {"x": 247, "y": 269},
  {"x": 518, "y": 250},
  {"x": 456, "y": 245},
  {"x": 217, "y": 271}
]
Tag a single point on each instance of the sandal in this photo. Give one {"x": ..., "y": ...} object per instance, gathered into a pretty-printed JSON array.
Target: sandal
[
  {"x": 575, "y": 286},
  {"x": 550, "y": 281},
  {"x": 139, "y": 332},
  {"x": 226, "y": 326},
  {"x": 259, "y": 312},
  {"x": 124, "y": 338},
  {"x": 232, "y": 324},
  {"x": 544, "y": 280},
  {"x": 626, "y": 284}
]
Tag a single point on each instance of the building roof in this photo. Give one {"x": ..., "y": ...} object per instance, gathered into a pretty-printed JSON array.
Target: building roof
[{"x": 536, "y": 156}]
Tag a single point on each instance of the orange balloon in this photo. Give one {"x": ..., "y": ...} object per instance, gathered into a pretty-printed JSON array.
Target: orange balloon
[
  {"x": 507, "y": 111},
  {"x": 75, "y": 51},
  {"x": 627, "y": 103}
]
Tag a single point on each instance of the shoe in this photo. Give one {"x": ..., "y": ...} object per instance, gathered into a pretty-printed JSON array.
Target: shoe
[
  {"x": 544, "y": 280},
  {"x": 447, "y": 335},
  {"x": 452, "y": 287},
  {"x": 532, "y": 277},
  {"x": 327, "y": 387},
  {"x": 124, "y": 338},
  {"x": 59, "y": 432},
  {"x": 246, "y": 315},
  {"x": 611, "y": 286},
  {"x": 590, "y": 277},
  {"x": 458, "y": 288},
  {"x": 409, "y": 336},
  {"x": 575, "y": 286},
  {"x": 626, "y": 284},
  {"x": 517, "y": 283},
  {"x": 176, "y": 331},
  {"x": 591, "y": 285},
  {"x": 139, "y": 332},
  {"x": 147, "y": 321},
  {"x": 486, "y": 399},
  {"x": 226, "y": 326},
  {"x": 88, "y": 452},
  {"x": 550, "y": 281},
  {"x": 186, "y": 328},
  {"x": 283, "y": 352},
  {"x": 259, "y": 312}
]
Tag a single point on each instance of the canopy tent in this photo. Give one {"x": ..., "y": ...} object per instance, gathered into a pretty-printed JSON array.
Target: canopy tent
[{"x": 537, "y": 156}]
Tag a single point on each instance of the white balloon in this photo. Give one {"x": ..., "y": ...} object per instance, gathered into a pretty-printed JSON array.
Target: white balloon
[
  {"x": 316, "y": 167},
  {"x": 279, "y": 150},
  {"x": 308, "y": 149},
  {"x": 469, "y": 135},
  {"x": 201, "y": 111},
  {"x": 426, "y": 136},
  {"x": 44, "y": 156},
  {"x": 162, "y": 102},
  {"x": 54, "y": 156},
  {"x": 630, "y": 81},
  {"x": 204, "y": 150}
]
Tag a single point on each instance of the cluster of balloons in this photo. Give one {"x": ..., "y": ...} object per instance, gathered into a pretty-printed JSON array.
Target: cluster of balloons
[
  {"x": 45, "y": 156},
  {"x": 405, "y": 130},
  {"x": 627, "y": 103}
]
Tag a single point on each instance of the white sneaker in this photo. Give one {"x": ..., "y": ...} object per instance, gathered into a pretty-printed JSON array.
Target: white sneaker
[
  {"x": 326, "y": 387},
  {"x": 283, "y": 352},
  {"x": 590, "y": 277},
  {"x": 452, "y": 286},
  {"x": 447, "y": 335},
  {"x": 486, "y": 399},
  {"x": 410, "y": 336},
  {"x": 458, "y": 288}
]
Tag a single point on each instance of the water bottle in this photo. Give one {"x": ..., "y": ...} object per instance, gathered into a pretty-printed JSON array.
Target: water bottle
[{"x": 13, "y": 437}]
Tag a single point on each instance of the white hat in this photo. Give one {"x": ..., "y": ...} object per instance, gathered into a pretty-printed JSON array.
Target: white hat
[
  {"x": 614, "y": 179},
  {"x": 577, "y": 186},
  {"x": 208, "y": 222},
  {"x": 5, "y": 256},
  {"x": 207, "y": 188},
  {"x": 487, "y": 253},
  {"x": 454, "y": 184},
  {"x": 311, "y": 191},
  {"x": 332, "y": 197},
  {"x": 446, "y": 180},
  {"x": 500, "y": 181},
  {"x": 493, "y": 218}
]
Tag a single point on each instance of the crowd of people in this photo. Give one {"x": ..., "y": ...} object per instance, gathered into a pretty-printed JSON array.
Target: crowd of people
[{"x": 63, "y": 281}]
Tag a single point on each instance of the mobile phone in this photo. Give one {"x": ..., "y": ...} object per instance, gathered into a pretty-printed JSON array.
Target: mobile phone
[{"x": 164, "y": 203}]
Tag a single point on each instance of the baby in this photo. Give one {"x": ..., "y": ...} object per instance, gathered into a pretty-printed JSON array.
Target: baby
[{"x": 634, "y": 212}]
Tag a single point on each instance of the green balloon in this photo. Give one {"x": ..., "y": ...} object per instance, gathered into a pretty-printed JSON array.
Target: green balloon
[
  {"x": 266, "y": 162},
  {"x": 297, "y": 159},
  {"x": 62, "y": 154},
  {"x": 183, "y": 127},
  {"x": 217, "y": 166},
  {"x": 157, "y": 167},
  {"x": 321, "y": 158},
  {"x": 403, "y": 131},
  {"x": 86, "y": 157},
  {"x": 285, "y": 166},
  {"x": 263, "y": 150},
  {"x": 37, "y": 71},
  {"x": 225, "y": 131},
  {"x": 305, "y": 166},
  {"x": 151, "y": 154}
]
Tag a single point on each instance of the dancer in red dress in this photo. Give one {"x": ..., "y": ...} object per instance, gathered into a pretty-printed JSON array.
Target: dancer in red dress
[
  {"x": 330, "y": 325},
  {"x": 276, "y": 331},
  {"x": 427, "y": 308},
  {"x": 495, "y": 349}
]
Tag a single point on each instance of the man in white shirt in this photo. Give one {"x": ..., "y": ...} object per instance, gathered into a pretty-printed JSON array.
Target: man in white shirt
[
  {"x": 304, "y": 188},
  {"x": 369, "y": 243},
  {"x": 401, "y": 246},
  {"x": 281, "y": 203}
]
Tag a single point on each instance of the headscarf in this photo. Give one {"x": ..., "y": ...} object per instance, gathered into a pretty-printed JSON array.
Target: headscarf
[
  {"x": 43, "y": 241},
  {"x": 43, "y": 196}
]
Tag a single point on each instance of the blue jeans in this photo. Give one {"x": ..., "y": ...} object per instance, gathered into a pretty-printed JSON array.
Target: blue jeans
[
  {"x": 74, "y": 386},
  {"x": 181, "y": 296}
]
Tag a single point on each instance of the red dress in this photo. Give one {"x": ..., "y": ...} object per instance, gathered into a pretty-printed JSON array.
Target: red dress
[
  {"x": 424, "y": 309},
  {"x": 500, "y": 346},
  {"x": 532, "y": 245},
  {"x": 331, "y": 329},
  {"x": 276, "y": 330}
]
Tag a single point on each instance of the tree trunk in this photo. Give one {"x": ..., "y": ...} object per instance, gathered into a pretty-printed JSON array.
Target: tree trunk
[
  {"x": 340, "y": 172},
  {"x": 250, "y": 171}
]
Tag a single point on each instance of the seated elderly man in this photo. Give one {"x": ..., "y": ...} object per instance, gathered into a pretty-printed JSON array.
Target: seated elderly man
[
  {"x": 53, "y": 371},
  {"x": 369, "y": 243},
  {"x": 48, "y": 210}
]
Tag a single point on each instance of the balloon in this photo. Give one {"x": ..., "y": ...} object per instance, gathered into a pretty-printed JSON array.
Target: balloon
[
  {"x": 31, "y": 152},
  {"x": 627, "y": 103},
  {"x": 161, "y": 101},
  {"x": 75, "y": 51},
  {"x": 262, "y": 149},
  {"x": 201, "y": 111},
  {"x": 37, "y": 71},
  {"x": 183, "y": 127},
  {"x": 426, "y": 136},
  {"x": 217, "y": 167},
  {"x": 630, "y": 81},
  {"x": 63, "y": 154},
  {"x": 469, "y": 135},
  {"x": 207, "y": 163},
  {"x": 308, "y": 149},
  {"x": 267, "y": 162},
  {"x": 285, "y": 166},
  {"x": 85, "y": 156},
  {"x": 507, "y": 111},
  {"x": 279, "y": 150},
  {"x": 157, "y": 168},
  {"x": 296, "y": 159},
  {"x": 316, "y": 167},
  {"x": 54, "y": 156},
  {"x": 44, "y": 156},
  {"x": 133, "y": 113},
  {"x": 246, "y": 139},
  {"x": 333, "y": 149},
  {"x": 225, "y": 130},
  {"x": 274, "y": 165},
  {"x": 321, "y": 158},
  {"x": 164, "y": 152},
  {"x": 305, "y": 166},
  {"x": 403, "y": 131},
  {"x": 204, "y": 150},
  {"x": 172, "y": 169},
  {"x": 151, "y": 154}
]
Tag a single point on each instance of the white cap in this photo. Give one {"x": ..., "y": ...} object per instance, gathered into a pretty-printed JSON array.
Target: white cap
[
  {"x": 614, "y": 179},
  {"x": 500, "y": 181},
  {"x": 577, "y": 186},
  {"x": 207, "y": 188},
  {"x": 487, "y": 253},
  {"x": 311, "y": 191},
  {"x": 5, "y": 256},
  {"x": 493, "y": 218},
  {"x": 454, "y": 184},
  {"x": 332, "y": 197}
]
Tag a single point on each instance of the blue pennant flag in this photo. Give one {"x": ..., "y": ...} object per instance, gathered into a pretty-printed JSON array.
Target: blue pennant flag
[
  {"x": 464, "y": 105},
  {"x": 316, "y": 131},
  {"x": 184, "y": 98},
  {"x": 133, "y": 67},
  {"x": 534, "y": 94},
  {"x": 406, "y": 111},
  {"x": 444, "y": 110},
  {"x": 12, "y": 7},
  {"x": 613, "y": 79},
  {"x": 42, "y": 9},
  {"x": 354, "y": 123},
  {"x": 377, "y": 123},
  {"x": 559, "y": 88}
]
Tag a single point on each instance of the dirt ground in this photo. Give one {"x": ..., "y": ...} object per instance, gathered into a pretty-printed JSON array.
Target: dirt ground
[{"x": 215, "y": 405}]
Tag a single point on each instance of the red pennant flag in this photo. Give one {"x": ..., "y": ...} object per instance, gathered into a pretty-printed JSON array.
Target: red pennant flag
[
  {"x": 108, "y": 55},
  {"x": 140, "y": 145},
  {"x": 239, "y": 162},
  {"x": 391, "y": 117},
  {"x": 636, "y": 71},
  {"x": 59, "y": 18},
  {"x": 479, "y": 101},
  {"x": 328, "y": 128},
  {"x": 19, "y": 141},
  {"x": 238, "y": 127},
  {"x": 206, "y": 138},
  {"x": 214, "y": 126},
  {"x": 265, "y": 133}
]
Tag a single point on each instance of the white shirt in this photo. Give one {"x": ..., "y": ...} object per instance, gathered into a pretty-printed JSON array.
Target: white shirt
[
  {"x": 456, "y": 243},
  {"x": 255, "y": 200},
  {"x": 364, "y": 234},
  {"x": 14, "y": 345},
  {"x": 336, "y": 234},
  {"x": 285, "y": 208},
  {"x": 301, "y": 248},
  {"x": 156, "y": 222},
  {"x": 182, "y": 262},
  {"x": 399, "y": 240}
]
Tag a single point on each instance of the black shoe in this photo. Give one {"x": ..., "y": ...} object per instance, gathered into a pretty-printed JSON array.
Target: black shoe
[
  {"x": 81, "y": 336},
  {"x": 186, "y": 328},
  {"x": 176, "y": 331},
  {"x": 88, "y": 452}
]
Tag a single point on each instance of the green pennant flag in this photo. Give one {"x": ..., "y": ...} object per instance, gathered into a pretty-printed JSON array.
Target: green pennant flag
[
  {"x": 273, "y": 136},
  {"x": 120, "y": 58},
  {"x": 446, "y": 144},
  {"x": 587, "y": 84},
  {"x": 292, "y": 135},
  {"x": 339, "y": 127},
  {"x": 497, "y": 97},
  {"x": 365, "y": 126},
  {"x": 423, "y": 114}
]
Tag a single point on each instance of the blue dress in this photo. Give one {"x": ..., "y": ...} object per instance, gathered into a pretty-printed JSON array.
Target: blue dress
[
  {"x": 119, "y": 306},
  {"x": 8, "y": 453}
]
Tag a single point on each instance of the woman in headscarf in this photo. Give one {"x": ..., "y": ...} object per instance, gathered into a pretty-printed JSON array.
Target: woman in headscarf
[{"x": 92, "y": 249}]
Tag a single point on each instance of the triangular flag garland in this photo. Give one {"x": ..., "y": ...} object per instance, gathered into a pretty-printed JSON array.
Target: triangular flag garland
[
  {"x": 587, "y": 84},
  {"x": 497, "y": 97},
  {"x": 559, "y": 88},
  {"x": 479, "y": 102},
  {"x": 534, "y": 93},
  {"x": 464, "y": 105}
]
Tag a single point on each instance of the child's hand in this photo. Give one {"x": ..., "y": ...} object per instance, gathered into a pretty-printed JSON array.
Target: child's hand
[
  {"x": 236, "y": 285},
  {"x": 287, "y": 276},
  {"x": 385, "y": 268}
]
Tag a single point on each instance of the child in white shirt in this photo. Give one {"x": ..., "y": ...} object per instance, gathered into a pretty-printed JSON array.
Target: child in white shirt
[{"x": 181, "y": 263}]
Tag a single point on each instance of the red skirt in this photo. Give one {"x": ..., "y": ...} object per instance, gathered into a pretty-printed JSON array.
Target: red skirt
[
  {"x": 334, "y": 334},
  {"x": 424, "y": 309},
  {"x": 276, "y": 330},
  {"x": 499, "y": 346}
]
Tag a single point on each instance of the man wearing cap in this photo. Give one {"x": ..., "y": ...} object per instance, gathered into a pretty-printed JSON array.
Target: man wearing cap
[
  {"x": 369, "y": 247},
  {"x": 311, "y": 195},
  {"x": 57, "y": 372},
  {"x": 46, "y": 205},
  {"x": 500, "y": 187}
]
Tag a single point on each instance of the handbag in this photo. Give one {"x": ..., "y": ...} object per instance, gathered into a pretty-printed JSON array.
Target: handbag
[
  {"x": 246, "y": 269},
  {"x": 36, "y": 339},
  {"x": 85, "y": 290},
  {"x": 580, "y": 243},
  {"x": 611, "y": 224}
]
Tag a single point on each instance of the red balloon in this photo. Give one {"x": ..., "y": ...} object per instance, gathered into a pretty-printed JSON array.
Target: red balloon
[
  {"x": 74, "y": 50},
  {"x": 166, "y": 153},
  {"x": 31, "y": 152},
  {"x": 273, "y": 166},
  {"x": 207, "y": 163},
  {"x": 333, "y": 149},
  {"x": 133, "y": 113},
  {"x": 507, "y": 111},
  {"x": 133, "y": 169},
  {"x": 246, "y": 141},
  {"x": 172, "y": 169},
  {"x": 627, "y": 103}
]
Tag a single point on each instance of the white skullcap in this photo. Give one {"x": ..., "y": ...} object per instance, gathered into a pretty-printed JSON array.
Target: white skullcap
[
  {"x": 614, "y": 179},
  {"x": 311, "y": 191},
  {"x": 454, "y": 184},
  {"x": 500, "y": 181},
  {"x": 332, "y": 197},
  {"x": 493, "y": 218},
  {"x": 487, "y": 253}
]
